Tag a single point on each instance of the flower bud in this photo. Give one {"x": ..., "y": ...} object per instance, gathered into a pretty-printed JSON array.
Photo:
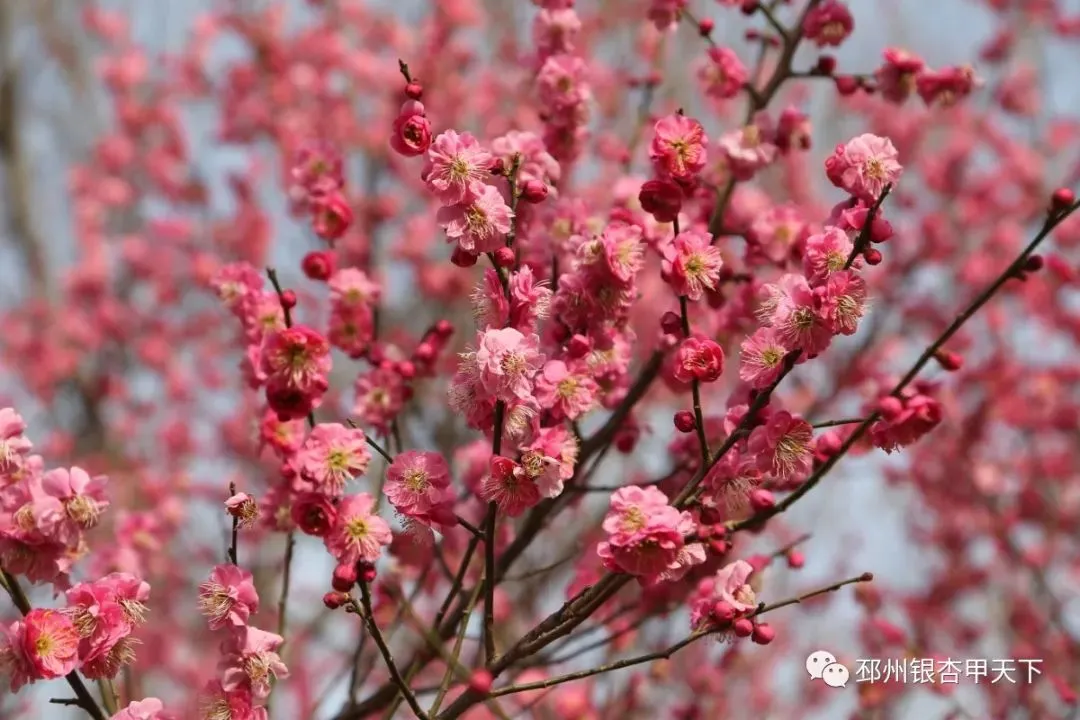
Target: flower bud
[
  {"x": 534, "y": 191},
  {"x": 949, "y": 360},
  {"x": 684, "y": 421},
  {"x": 1061, "y": 200},
  {"x": 890, "y": 407},
  {"x": 288, "y": 299},
  {"x": 504, "y": 257},
  {"x": 366, "y": 572},
  {"x": 662, "y": 199},
  {"x": 763, "y": 634},
  {"x": 743, "y": 627},
  {"x": 319, "y": 265},
  {"x": 425, "y": 352},
  {"x": 846, "y": 85},
  {"x": 463, "y": 258},
  {"x": 480, "y": 681},
  {"x": 334, "y": 600},
  {"x": 761, "y": 500},
  {"x": 671, "y": 323},
  {"x": 414, "y": 91},
  {"x": 344, "y": 578},
  {"x": 795, "y": 559},
  {"x": 826, "y": 65},
  {"x": 873, "y": 256},
  {"x": 579, "y": 346},
  {"x": 723, "y": 611}
]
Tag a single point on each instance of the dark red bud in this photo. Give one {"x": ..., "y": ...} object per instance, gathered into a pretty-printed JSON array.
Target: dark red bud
[
  {"x": 533, "y": 191},
  {"x": 504, "y": 257},
  {"x": 684, "y": 421},
  {"x": 1061, "y": 200},
  {"x": 367, "y": 572},
  {"x": 425, "y": 352},
  {"x": 344, "y": 578},
  {"x": 826, "y": 65},
  {"x": 319, "y": 264},
  {"x": 671, "y": 323},
  {"x": 949, "y": 360},
  {"x": 846, "y": 85},
  {"x": 414, "y": 91},
  {"x": 334, "y": 600},
  {"x": 463, "y": 258}
]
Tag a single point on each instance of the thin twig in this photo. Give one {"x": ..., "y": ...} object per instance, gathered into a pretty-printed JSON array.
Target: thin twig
[
  {"x": 444, "y": 686},
  {"x": 672, "y": 649},
  {"x": 368, "y": 616},
  {"x": 235, "y": 529}
]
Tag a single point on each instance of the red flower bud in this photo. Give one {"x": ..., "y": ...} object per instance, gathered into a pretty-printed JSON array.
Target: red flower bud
[
  {"x": 534, "y": 191},
  {"x": 723, "y": 611},
  {"x": 579, "y": 346},
  {"x": 671, "y": 323},
  {"x": 366, "y": 571},
  {"x": 761, "y": 499},
  {"x": 414, "y": 90},
  {"x": 763, "y": 634},
  {"x": 949, "y": 360},
  {"x": 890, "y": 407},
  {"x": 463, "y": 258},
  {"x": 743, "y": 627},
  {"x": 334, "y": 600},
  {"x": 344, "y": 578},
  {"x": 684, "y": 421},
  {"x": 480, "y": 681},
  {"x": 504, "y": 257},
  {"x": 846, "y": 85},
  {"x": 319, "y": 265},
  {"x": 826, "y": 65},
  {"x": 425, "y": 352},
  {"x": 662, "y": 199},
  {"x": 1061, "y": 200}
]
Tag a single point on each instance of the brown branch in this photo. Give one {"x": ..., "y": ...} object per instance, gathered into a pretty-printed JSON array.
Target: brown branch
[
  {"x": 367, "y": 615},
  {"x": 666, "y": 652}
]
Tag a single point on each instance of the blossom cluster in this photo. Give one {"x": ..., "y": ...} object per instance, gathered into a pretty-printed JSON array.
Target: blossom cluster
[{"x": 249, "y": 662}]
